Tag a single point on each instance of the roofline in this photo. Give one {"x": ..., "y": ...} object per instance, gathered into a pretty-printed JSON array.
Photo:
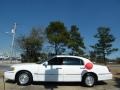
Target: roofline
[{"x": 70, "y": 56}]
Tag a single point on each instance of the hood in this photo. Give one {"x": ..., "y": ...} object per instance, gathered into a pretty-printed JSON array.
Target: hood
[{"x": 23, "y": 64}]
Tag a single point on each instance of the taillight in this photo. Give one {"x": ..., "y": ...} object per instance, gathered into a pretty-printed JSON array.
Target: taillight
[{"x": 89, "y": 66}]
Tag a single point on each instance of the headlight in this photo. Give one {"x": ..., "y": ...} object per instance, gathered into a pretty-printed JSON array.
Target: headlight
[{"x": 11, "y": 69}]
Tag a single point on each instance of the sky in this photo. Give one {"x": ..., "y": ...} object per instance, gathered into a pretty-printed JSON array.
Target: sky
[{"x": 88, "y": 15}]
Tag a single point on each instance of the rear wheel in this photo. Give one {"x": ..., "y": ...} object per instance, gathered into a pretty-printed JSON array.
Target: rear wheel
[
  {"x": 24, "y": 78},
  {"x": 89, "y": 80}
]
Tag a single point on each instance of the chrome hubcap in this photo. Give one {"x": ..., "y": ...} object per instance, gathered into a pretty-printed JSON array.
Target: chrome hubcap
[
  {"x": 23, "y": 78},
  {"x": 89, "y": 80}
]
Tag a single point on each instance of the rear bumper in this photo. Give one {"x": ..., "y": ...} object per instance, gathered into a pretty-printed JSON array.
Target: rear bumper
[
  {"x": 9, "y": 75},
  {"x": 104, "y": 76}
]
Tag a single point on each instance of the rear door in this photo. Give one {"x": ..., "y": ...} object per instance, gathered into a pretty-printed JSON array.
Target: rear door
[{"x": 73, "y": 67}]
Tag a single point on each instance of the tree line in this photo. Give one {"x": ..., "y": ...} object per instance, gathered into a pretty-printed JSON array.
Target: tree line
[{"x": 58, "y": 40}]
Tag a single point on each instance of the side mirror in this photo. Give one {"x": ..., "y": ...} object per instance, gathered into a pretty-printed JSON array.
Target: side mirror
[{"x": 45, "y": 64}]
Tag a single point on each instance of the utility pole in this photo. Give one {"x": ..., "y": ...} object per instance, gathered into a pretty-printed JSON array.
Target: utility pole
[{"x": 13, "y": 31}]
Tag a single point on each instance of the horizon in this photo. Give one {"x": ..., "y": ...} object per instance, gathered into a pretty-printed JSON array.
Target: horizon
[{"x": 87, "y": 15}]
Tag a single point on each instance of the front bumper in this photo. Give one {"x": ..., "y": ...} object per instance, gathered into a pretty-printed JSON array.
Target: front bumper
[
  {"x": 104, "y": 76},
  {"x": 9, "y": 75}
]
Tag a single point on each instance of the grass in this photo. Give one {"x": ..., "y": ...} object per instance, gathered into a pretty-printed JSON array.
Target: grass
[
  {"x": 1, "y": 74},
  {"x": 115, "y": 71}
]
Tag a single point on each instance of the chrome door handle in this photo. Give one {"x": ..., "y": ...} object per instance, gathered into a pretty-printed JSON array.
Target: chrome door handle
[{"x": 82, "y": 68}]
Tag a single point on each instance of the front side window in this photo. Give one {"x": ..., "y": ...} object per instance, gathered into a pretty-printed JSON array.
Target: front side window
[{"x": 55, "y": 61}]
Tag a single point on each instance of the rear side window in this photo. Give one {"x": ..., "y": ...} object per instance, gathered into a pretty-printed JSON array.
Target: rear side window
[{"x": 72, "y": 61}]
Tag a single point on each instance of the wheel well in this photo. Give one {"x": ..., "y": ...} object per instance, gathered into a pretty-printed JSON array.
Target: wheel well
[
  {"x": 21, "y": 72},
  {"x": 90, "y": 73}
]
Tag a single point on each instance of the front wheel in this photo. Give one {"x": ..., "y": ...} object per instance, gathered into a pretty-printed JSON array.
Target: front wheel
[
  {"x": 24, "y": 78},
  {"x": 89, "y": 80}
]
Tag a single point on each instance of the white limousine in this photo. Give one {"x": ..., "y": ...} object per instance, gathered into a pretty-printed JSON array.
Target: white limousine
[{"x": 60, "y": 68}]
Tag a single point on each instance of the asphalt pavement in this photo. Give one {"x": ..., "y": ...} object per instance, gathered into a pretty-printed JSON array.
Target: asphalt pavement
[{"x": 107, "y": 85}]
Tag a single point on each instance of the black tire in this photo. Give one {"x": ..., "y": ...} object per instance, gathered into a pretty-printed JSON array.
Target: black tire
[
  {"x": 89, "y": 80},
  {"x": 24, "y": 78}
]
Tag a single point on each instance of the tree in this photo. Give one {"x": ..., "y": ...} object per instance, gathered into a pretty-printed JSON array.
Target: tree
[
  {"x": 75, "y": 42},
  {"x": 57, "y": 36},
  {"x": 30, "y": 45},
  {"x": 103, "y": 47},
  {"x": 118, "y": 60},
  {"x": 92, "y": 56}
]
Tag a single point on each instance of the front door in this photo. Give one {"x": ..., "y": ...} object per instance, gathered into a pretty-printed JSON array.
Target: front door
[{"x": 52, "y": 72}]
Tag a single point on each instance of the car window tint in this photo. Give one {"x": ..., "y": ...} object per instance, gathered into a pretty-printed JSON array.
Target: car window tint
[
  {"x": 55, "y": 61},
  {"x": 72, "y": 61}
]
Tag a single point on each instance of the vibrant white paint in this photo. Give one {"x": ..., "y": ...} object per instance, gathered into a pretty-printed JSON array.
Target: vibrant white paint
[{"x": 65, "y": 73}]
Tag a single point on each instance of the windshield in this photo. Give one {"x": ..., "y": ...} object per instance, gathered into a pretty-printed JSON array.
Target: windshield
[{"x": 42, "y": 61}]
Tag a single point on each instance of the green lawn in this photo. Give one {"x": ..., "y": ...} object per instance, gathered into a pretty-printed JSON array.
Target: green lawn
[
  {"x": 115, "y": 71},
  {"x": 1, "y": 74}
]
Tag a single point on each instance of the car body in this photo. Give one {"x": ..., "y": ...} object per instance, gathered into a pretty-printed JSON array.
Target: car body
[{"x": 61, "y": 68}]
